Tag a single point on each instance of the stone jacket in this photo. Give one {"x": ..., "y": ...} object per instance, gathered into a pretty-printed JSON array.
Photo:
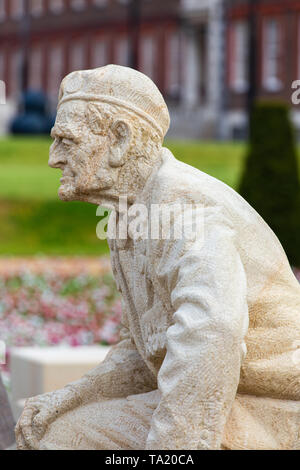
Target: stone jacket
[{"x": 212, "y": 322}]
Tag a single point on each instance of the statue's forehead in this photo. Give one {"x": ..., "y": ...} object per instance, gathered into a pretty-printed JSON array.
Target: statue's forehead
[
  {"x": 70, "y": 117},
  {"x": 71, "y": 111}
]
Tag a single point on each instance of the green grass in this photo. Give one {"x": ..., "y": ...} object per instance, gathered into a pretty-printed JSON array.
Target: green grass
[
  {"x": 49, "y": 227},
  {"x": 221, "y": 160},
  {"x": 35, "y": 221},
  {"x": 24, "y": 173}
]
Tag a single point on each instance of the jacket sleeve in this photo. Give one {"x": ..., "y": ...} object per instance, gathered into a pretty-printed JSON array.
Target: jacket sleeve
[
  {"x": 205, "y": 346},
  {"x": 122, "y": 373}
]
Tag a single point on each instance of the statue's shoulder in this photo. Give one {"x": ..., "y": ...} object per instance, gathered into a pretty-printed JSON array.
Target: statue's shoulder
[
  {"x": 177, "y": 172},
  {"x": 177, "y": 180}
]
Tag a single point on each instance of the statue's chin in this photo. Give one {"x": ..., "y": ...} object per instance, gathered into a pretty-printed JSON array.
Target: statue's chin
[
  {"x": 99, "y": 193},
  {"x": 66, "y": 193}
]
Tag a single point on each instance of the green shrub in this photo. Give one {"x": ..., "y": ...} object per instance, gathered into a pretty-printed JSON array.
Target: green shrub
[{"x": 270, "y": 181}]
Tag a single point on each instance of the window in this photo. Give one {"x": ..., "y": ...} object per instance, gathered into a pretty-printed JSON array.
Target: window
[
  {"x": 239, "y": 57},
  {"x": 36, "y": 7},
  {"x": 78, "y": 4},
  {"x": 56, "y": 6},
  {"x": 173, "y": 58},
  {"x": 35, "y": 68},
  {"x": 17, "y": 9},
  {"x": 56, "y": 61},
  {"x": 15, "y": 73},
  {"x": 2, "y": 61},
  {"x": 100, "y": 3},
  {"x": 122, "y": 52},
  {"x": 2, "y": 10},
  {"x": 99, "y": 53},
  {"x": 272, "y": 55},
  {"x": 299, "y": 46},
  {"x": 148, "y": 56},
  {"x": 77, "y": 55}
]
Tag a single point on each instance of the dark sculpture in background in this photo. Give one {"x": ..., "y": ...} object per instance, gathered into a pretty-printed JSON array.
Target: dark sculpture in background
[{"x": 34, "y": 117}]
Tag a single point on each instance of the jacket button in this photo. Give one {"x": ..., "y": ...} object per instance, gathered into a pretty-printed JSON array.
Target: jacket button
[{"x": 204, "y": 435}]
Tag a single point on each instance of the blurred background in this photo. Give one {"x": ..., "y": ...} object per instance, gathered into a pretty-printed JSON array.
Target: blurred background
[
  {"x": 196, "y": 51},
  {"x": 226, "y": 69}
]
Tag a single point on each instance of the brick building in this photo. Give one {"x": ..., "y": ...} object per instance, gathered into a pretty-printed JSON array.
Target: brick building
[
  {"x": 197, "y": 52},
  {"x": 218, "y": 39},
  {"x": 65, "y": 35},
  {"x": 277, "y": 55},
  {"x": 200, "y": 111}
]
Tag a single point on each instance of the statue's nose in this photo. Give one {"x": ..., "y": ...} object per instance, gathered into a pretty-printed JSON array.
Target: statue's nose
[{"x": 56, "y": 158}]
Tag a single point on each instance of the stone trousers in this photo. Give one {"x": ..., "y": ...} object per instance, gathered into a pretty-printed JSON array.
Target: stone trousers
[
  {"x": 114, "y": 424},
  {"x": 255, "y": 423}
]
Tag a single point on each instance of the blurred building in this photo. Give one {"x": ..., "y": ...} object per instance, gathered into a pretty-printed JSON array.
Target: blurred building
[
  {"x": 197, "y": 52},
  {"x": 217, "y": 62},
  {"x": 199, "y": 112},
  {"x": 59, "y": 36},
  {"x": 277, "y": 56}
]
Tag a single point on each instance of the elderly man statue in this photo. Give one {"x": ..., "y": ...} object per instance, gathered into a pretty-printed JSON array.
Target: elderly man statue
[{"x": 211, "y": 324}]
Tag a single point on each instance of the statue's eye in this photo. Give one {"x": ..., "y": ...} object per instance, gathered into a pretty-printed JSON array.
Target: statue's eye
[
  {"x": 121, "y": 129},
  {"x": 67, "y": 142}
]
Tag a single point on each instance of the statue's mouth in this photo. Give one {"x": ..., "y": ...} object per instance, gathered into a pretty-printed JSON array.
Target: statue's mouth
[
  {"x": 66, "y": 179},
  {"x": 68, "y": 176}
]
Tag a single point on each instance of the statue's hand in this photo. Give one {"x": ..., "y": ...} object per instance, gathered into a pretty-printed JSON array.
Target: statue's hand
[{"x": 39, "y": 413}]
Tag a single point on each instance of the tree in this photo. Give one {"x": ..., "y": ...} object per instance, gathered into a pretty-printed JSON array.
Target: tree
[{"x": 270, "y": 181}]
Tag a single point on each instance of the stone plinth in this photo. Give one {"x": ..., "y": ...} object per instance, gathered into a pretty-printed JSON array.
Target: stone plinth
[{"x": 39, "y": 370}]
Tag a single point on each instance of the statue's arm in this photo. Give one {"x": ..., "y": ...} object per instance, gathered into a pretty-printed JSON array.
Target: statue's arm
[
  {"x": 199, "y": 377},
  {"x": 122, "y": 373}
]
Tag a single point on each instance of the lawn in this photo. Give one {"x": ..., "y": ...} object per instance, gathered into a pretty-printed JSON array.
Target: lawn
[
  {"x": 35, "y": 221},
  {"x": 26, "y": 175}
]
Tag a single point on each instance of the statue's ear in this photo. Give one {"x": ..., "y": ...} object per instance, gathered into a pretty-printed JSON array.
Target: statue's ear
[{"x": 122, "y": 133}]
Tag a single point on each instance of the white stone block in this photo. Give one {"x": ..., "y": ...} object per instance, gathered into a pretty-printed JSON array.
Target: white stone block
[{"x": 40, "y": 370}]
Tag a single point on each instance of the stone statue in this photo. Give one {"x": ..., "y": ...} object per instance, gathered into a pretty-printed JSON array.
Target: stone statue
[{"x": 211, "y": 323}]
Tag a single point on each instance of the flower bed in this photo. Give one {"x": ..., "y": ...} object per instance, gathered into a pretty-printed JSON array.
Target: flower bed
[{"x": 53, "y": 307}]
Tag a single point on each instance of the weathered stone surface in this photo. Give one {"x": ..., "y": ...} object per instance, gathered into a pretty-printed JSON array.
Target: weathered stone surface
[
  {"x": 211, "y": 323},
  {"x": 7, "y": 424}
]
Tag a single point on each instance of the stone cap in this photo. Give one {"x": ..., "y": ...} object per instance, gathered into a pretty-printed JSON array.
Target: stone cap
[{"x": 121, "y": 86}]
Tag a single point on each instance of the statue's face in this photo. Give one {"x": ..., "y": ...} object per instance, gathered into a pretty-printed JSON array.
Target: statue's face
[{"x": 80, "y": 154}]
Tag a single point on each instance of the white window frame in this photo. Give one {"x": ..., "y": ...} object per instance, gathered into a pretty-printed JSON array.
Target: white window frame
[
  {"x": 78, "y": 5},
  {"x": 148, "y": 55},
  {"x": 14, "y": 73},
  {"x": 100, "y": 3},
  {"x": 2, "y": 10},
  {"x": 122, "y": 51},
  {"x": 36, "y": 67},
  {"x": 239, "y": 60},
  {"x": 36, "y": 7},
  {"x": 298, "y": 52},
  {"x": 57, "y": 6},
  {"x": 173, "y": 61},
  {"x": 271, "y": 54},
  {"x": 56, "y": 65},
  {"x": 99, "y": 52},
  {"x": 2, "y": 64},
  {"x": 17, "y": 9},
  {"x": 78, "y": 55}
]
